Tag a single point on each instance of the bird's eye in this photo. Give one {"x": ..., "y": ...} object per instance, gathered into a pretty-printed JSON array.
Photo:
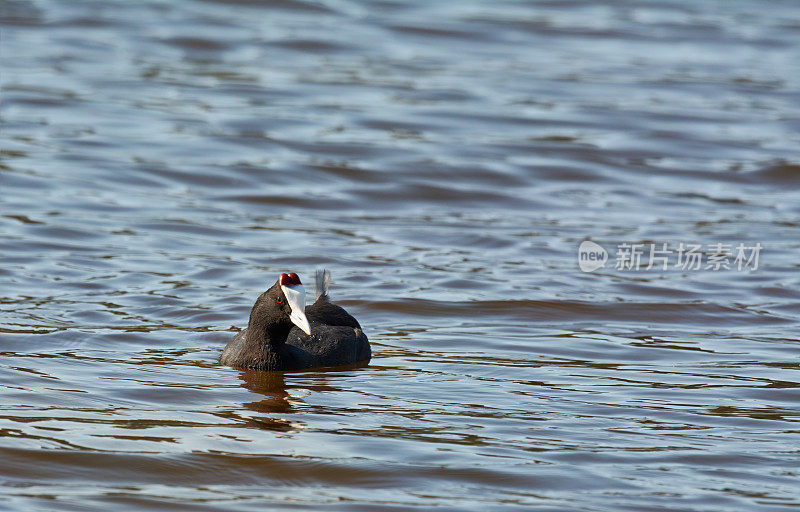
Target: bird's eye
[{"x": 279, "y": 300}]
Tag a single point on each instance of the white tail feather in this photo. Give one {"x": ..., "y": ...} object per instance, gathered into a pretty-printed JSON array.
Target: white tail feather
[{"x": 323, "y": 282}]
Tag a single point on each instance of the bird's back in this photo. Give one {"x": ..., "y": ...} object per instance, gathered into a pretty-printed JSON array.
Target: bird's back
[
  {"x": 336, "y": 336},
  {"x": 329, "y": 345},
  {"x": 325, "y": 312}
]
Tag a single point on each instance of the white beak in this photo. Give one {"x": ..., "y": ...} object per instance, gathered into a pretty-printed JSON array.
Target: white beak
[{"x": 296, "y": 297}]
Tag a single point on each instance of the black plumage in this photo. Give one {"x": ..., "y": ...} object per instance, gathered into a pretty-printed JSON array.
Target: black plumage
[{"x": 272, "y": 341}]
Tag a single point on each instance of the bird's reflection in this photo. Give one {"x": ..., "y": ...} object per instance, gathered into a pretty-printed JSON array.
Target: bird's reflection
[
  {"x": 275, "y": 399},
  {"x": 271, "y": 387}
]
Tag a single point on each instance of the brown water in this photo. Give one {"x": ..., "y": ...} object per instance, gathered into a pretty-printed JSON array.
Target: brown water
[{"x": 164, "y": 161}]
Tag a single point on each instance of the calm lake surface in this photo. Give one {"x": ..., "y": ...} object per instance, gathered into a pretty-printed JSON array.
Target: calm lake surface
[{"x": 164, "y": 161}]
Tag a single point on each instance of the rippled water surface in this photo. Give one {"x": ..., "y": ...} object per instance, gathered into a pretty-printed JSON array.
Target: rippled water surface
[{"x": 164, "y": 161}]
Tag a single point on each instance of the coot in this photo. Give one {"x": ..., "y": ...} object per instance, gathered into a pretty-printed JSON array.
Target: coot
[{"x": 283, "y": 334}]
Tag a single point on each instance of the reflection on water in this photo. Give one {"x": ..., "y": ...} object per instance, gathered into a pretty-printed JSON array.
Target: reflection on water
[
  {"x": 162, "y": 162},
  {"x": 273, "y": 399}
]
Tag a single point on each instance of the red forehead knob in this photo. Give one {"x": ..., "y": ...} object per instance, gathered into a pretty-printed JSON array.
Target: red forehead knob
[{"x": 289, "y": 279}]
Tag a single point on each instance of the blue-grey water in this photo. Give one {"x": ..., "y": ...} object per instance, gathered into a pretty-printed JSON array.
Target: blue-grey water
[{"x": 163, "y": 161}]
